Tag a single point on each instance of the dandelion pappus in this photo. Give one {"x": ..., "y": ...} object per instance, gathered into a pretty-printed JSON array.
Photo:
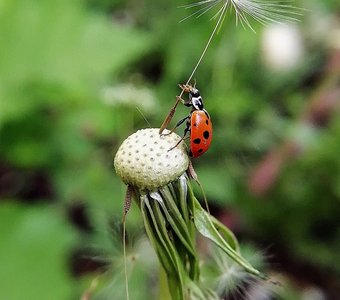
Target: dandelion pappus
[{"x": 198, "y": 123}]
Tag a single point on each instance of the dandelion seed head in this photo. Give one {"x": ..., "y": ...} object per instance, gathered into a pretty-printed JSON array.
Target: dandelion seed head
[{"x": 153, "y": 165}]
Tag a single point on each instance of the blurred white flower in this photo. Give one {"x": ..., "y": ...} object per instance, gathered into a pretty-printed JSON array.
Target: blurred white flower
[
  {"x": 282, "y": 47},
  {"x": 129, "y": 94}
]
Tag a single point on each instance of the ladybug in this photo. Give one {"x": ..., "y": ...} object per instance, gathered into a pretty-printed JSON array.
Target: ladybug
[{"x": 198, "y": 123}]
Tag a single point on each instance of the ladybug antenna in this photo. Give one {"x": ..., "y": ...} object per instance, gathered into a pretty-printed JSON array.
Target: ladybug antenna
[{"x": 194, "y": 82}]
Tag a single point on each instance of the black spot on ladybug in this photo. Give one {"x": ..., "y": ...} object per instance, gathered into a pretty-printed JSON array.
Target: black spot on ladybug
[
  {"x": 207, "y": 121},
  {"x": 197, "y": 141},
  {"x": 206, "y": 134},
  {"x": 200, "y": 150},
  {"x": 195, "y": 124}
]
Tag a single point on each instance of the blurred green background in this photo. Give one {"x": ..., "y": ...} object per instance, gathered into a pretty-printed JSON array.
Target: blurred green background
[{"x": 77, "y": 77}]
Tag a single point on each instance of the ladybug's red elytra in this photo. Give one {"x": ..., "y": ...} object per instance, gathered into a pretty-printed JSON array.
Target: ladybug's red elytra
[{"x": 198, "y": 122}]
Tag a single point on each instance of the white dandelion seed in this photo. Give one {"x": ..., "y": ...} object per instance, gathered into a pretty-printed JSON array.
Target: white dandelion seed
[{"x": 264, "y": 12}]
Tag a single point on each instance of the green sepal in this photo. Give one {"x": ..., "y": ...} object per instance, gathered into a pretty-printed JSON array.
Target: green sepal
[{"x": 205, "y": 225}]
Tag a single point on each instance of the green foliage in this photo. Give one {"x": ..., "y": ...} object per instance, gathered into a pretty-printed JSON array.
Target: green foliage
[{"x": 34, "y": 244}]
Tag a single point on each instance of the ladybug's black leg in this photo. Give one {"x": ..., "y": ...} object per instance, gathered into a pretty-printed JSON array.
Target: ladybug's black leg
[
  {"x": 179, "y": 123},
  {"x": 184, "y": 102},
  {"x": 182, "y": 139},
  {"x": 186, "y": 130}
]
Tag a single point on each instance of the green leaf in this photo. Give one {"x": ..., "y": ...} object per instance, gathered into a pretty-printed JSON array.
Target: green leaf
[
  {"x": 174, "y": 217},
  {"x": 180, "y": 227},
  {"x": 59, "y": 44},
  {"x": 226, "y": 233},
  {"x": 35, "y": 245},
  {"x": 206, "y": 227}
]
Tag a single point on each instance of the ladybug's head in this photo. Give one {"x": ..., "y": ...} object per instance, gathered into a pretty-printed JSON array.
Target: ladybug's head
[
  {"x": 195, "y": 98},
  {"x": 194, "y": 92}
]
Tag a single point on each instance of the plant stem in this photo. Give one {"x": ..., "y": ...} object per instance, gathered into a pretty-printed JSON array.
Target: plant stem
[{"x": 173, "y": 109}]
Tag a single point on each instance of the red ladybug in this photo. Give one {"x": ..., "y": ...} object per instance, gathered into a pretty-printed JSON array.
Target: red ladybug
[{"x": 198, "y": 123}]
